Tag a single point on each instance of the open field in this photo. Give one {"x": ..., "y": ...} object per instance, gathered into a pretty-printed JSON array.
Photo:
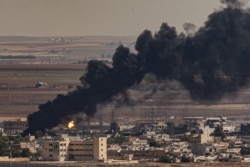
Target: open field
[
  {"x": 60, "y": 62},
  {"x": 60, "y": 50},
  {"x": 19, "y": 96}
]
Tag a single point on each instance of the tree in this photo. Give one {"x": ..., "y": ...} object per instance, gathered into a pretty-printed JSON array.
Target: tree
[
  {"x": 170, "y": 127},
  {"x": 25, "y": 152},
  {"x": 117, "y": 140},
  {"x": 6, "y": 146},
  {"x": 166, "y": 159},
  {"x": 218, "y": 132},
  {"x": 245, "y": 151},
  {"x": 185, "y": 158}
]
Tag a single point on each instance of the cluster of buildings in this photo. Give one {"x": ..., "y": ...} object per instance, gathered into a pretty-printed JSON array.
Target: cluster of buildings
[{"x": 178, "y": 139}]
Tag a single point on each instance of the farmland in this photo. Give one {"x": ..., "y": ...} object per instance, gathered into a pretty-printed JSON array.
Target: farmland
[
  {"x": 19, "y": 95},
  {"x": 60, "y": 62},
  {"x": 57, "y": 61}
]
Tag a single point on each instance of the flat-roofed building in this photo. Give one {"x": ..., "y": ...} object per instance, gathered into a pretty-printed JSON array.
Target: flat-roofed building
[
  {"x": 74, "y": 149},
  {"x": 14, "y": 127},
  {"x": 81, "y": 150},
  {"x": 100, "y": 148},
  {"x": 55, "y": 150},
  {"x": 194, "y": 122}
]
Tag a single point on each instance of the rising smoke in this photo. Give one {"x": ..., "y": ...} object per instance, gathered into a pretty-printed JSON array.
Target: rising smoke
[{"x": 209, "y": 63}]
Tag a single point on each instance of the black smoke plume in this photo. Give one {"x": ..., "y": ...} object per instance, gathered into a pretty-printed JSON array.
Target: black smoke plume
[
  {"x": 233, "y": 3},
  {"x": 209, "y": 63}
]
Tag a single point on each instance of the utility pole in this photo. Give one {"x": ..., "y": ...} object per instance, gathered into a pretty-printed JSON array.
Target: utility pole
[
  {"x": 113, "y": 116},
  {"x": 10, "y": 154},
  {"x": 152, "y": 116},
  {"x": 101, "y": 124}
]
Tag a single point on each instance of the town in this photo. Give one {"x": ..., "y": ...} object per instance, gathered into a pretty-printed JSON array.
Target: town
[{"x": 170, "y": 140}]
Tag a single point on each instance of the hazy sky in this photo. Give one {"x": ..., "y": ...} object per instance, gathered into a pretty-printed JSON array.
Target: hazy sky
[{"x": 99, "y": 17}]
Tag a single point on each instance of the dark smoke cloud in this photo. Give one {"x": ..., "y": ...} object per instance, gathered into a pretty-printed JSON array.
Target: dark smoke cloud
[
  {"x": 234, "y": 3},
  {"x": 209, "y": 63}
]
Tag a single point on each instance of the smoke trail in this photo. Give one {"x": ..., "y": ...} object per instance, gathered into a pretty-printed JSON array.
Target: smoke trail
[
  {"x": 213, "y": 61},
  {"x": 100, "y": 84}
]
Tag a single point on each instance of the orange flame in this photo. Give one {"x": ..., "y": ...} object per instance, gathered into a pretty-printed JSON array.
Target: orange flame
[{"x": 71, "y": 124}]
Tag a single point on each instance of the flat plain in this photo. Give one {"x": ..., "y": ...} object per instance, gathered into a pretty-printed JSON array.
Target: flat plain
[
  {"x": 19, "y": 95},
  {"x": 61, "y": 61}
]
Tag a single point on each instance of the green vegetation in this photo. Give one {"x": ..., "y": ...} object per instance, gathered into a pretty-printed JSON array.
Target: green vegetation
[
  {"x": 153, "y": 143},
  {"x": 218, "y": 132},
  {"x": 166, "y": 159},
  {"x": 186, "y": 159},
  {"x": 9, "y": 146},
  {"x": 245, "y": 151},
  {"x": 117, "y": 140}
]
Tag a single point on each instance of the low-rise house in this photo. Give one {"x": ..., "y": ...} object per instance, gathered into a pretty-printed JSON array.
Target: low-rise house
[
  {"x": 212, "y": 122},
  {"x": 161, "y": 138},
  {"x": 229, "y": 128},
  {"x": 204, "y": 158},
  {"x": 198, "y": 148},
  {"x": 246, "y": 158}
]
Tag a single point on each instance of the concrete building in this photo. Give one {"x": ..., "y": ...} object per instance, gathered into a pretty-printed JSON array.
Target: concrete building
[
  {"x": 55, "y": 150},
  {"x": 212, "y": 122},
  {"x": 14, "y": 127},
  {"x": 229, "y": 128},
  {"x": 194, "y": 122},
  {"x": 160, "y": 126},
  {"x": 198, "y": 148},
  {"x": 80, "y": 150},
  {"x": 74, "y": 149},
  {"x": 200, "y": 138},
  {"x": 100, "y": 148}
]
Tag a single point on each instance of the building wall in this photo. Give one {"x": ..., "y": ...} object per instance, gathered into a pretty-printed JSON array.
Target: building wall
[
  {"x": 14, "y": 127},
  {"x": 100, "y": 148},
  {"x": 54, "y": 150},
  {"x": 74, "y": 150},
  {"x": 198, "y": 149},
  {"x": 80, "y": 150}
]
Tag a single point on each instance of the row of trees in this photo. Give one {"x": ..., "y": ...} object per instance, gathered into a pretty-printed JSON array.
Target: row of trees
[{"x": 8, "y": 146}]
